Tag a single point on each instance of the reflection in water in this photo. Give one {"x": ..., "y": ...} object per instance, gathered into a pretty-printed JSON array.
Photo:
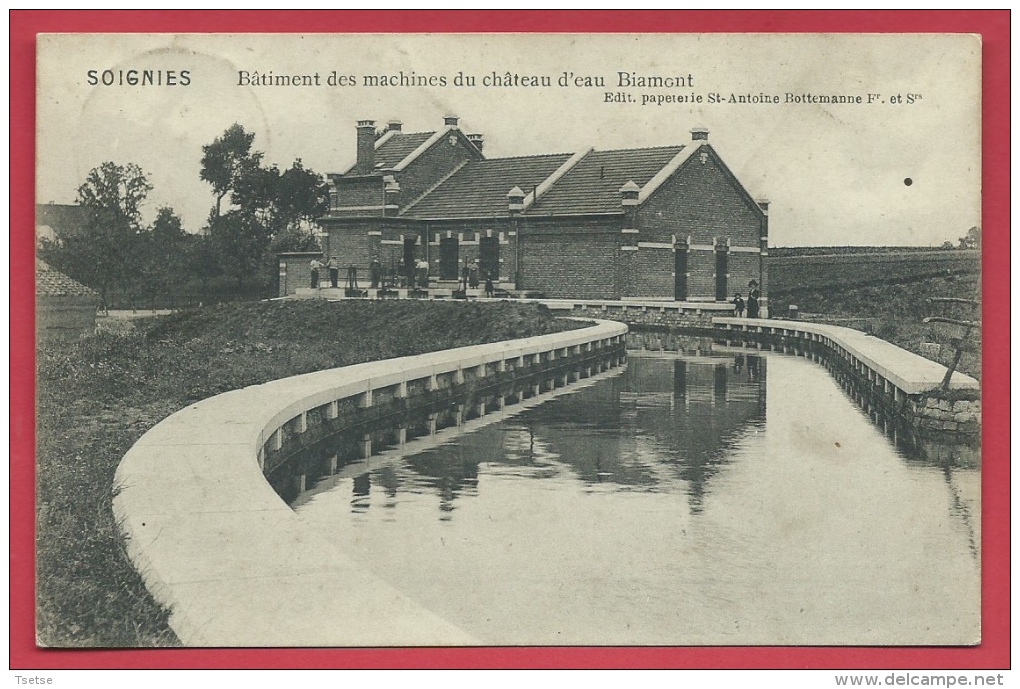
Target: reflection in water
[{"x": 694, "y": 499}]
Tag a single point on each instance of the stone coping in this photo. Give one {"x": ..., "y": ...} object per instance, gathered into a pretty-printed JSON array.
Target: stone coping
[
  {"x": 634, "y": 303},
  {"x": 231, "y": 560},
  {"x": 911, "y": 373}
]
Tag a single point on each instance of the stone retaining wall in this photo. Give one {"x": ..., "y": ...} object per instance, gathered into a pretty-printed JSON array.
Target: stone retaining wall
[{"x": 691, "y": 317}]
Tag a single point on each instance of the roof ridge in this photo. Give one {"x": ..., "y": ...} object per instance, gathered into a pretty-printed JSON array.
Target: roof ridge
[
  {"x": 422, "y": 147},
  {"x": 532, "y": 155},
  {"x": 555, "y": 176},
  {"x": 435, "y": 186},
  {"x": 640, "y": 148}
]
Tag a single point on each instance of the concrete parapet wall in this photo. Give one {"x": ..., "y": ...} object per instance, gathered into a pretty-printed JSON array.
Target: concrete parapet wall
[
  {"x": 231, "y": 560},
  {"x": 908, "y": 384}
]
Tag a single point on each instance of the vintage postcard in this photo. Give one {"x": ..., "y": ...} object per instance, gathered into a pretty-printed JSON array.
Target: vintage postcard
[{"x": 260, "y": 258}]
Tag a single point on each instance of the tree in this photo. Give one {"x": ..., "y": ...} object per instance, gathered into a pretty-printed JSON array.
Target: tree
[
  {"x": 972, "y": 240},
  {"x": 107, "y": 250},
  {"x": 269, "y": 208},
  {"x": 166, "y": 251},
  {"x": 240, "y": 243},
  {"x": 226, "y": 159}
]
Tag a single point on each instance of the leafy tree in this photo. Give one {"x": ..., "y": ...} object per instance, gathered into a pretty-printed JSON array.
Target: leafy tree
[
  {"x": 972, "y": 240},
  {"x": 201, "y": 259},
  {"x": 240, "y": 244},
  {"x": 166, "y": 255},
  {"x": 227, "y": 159},
  {"x": 270, "y": 208},
  {"x": 107, "y": 250}
]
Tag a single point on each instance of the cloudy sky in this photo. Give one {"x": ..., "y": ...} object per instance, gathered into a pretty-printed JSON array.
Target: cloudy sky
[{"x": 836, "y": 174}]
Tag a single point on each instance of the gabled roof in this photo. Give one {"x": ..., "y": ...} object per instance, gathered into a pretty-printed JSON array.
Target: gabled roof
[
  {"x": 593, "y": 184},
  {"x": 479, "y": 189},
  {"x": 396, "y": 150},
  {"x": 53, "y": 283},
  {"x": 399, "y": 146},
  {"x": 392, "y": 148}
]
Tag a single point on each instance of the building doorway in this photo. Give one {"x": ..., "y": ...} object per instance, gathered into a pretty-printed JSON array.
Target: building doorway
[
  {"x": 488, "y": 256},
  {"x": 409, "y": 258},
  {"x": 449, "y": 258}
]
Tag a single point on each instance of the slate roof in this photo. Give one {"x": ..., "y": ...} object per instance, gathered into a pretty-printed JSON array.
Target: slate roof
[
  {"x": 593, "y": 184},
  {"x": 398, "y": 147},
  {"x": 479, "y": 189},
  {"x": 53, "y": 283}
]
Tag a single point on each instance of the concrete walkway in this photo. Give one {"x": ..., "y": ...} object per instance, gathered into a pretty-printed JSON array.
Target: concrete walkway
[
  {"x": 911, "y": 373},
  {"x": 235, "y": 565}
]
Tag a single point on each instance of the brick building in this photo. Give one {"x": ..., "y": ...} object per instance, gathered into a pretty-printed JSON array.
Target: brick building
[{"x": 653, "y": 223}]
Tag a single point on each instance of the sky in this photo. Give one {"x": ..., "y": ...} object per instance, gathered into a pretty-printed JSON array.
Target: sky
[{"x": 888, "y": 172}]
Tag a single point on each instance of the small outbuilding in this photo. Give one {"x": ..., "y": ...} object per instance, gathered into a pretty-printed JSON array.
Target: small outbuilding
[{"x": 65, "y": 309}]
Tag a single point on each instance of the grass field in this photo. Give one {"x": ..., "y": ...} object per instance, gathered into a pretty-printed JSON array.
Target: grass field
[
  {"x": 97, "y": 396},
  {"x": 896, "y": 311}
]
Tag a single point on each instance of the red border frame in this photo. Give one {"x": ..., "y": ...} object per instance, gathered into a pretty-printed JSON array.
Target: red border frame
[{"x": 993, "y": 653}]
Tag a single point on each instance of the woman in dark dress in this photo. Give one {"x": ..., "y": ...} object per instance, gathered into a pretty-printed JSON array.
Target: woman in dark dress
[{"x": 752, "y": 299}]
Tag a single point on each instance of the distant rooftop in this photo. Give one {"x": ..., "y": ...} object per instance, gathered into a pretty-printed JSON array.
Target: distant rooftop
[{"x": 52, "y": 283}]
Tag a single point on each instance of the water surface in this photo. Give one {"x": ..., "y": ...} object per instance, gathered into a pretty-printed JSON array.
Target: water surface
[{"x": 688, "y": 500}]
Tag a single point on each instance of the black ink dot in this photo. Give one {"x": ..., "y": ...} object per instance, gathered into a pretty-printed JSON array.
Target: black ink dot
[{"x": 908, "y": 181}]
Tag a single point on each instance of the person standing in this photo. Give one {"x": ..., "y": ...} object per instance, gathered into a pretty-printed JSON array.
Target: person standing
[
  {"x": 316, "y": 265},
  {"x": 752, "y": 299},
  {"x": 490, "y": 289},
  {"x": 738, "y": 303},
  {"x": 334, "y": 272},
  {"x": 473, "y": 275},
  {"x": 375, "y": 272},
  {"x": 423, "y": 274}
]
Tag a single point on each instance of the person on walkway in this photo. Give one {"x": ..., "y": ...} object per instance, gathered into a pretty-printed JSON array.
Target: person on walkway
[
  {"x": 375, "y": 272},
  {"x": 352, "y": 277},
  {"x": 423, "y": 274},
  {"x": 473, "y": 275},
  {"x": 752, "y": 299},
  {"x": 738, "y": 303},
  {"x": 316, "y": 267},
  {"x": 334, "y": 272},
  {"x": 490, "y": 289}
]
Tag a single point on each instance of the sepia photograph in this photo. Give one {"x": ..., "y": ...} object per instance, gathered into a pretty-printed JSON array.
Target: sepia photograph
[{"x": 358, "y": 340}]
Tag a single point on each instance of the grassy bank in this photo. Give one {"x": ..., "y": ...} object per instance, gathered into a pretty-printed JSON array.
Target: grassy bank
[
  {"x": 895, "y": 310},
  {"x": 96, "y": 397}
]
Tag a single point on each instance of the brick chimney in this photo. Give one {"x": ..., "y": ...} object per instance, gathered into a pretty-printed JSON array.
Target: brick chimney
[
  {"x": 450, "y": 120},
  {"x": 394, "y": 126},
  {"x": 366, "y": 146},
  {"x": 477, "y": 139},
  {"x": 699, "y": 134}
]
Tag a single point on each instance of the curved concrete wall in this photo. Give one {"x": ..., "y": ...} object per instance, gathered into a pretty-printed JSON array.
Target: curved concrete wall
[
  {"x": 232, "y": 561},
  {"x": 908, "y": 372}
]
